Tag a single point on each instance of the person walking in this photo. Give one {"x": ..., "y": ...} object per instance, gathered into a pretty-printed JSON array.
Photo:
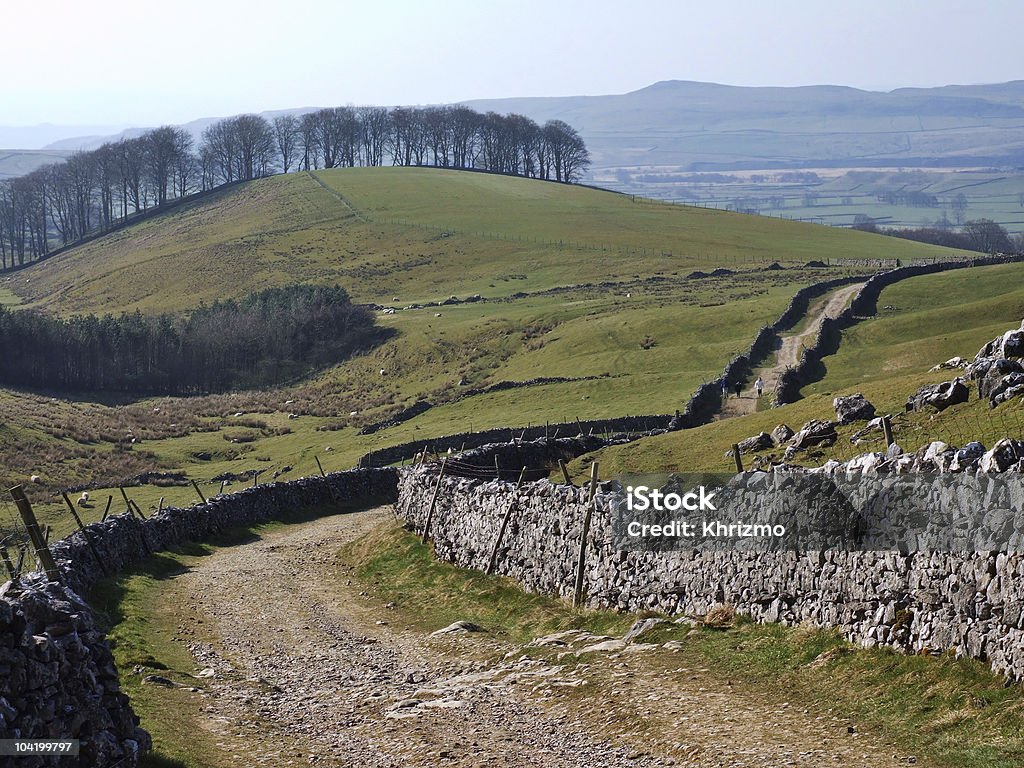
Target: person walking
[
  {"x": 725, "y": 390},
  {"x": 759, "y": 386},
  {"x": 739, "y": 387}
]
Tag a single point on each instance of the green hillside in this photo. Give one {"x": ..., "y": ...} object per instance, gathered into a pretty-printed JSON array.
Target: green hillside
[
  {"x": 922, "y": 321},
  {"x": 611, "y": 308},
  {"x": 419, "y": 235}
]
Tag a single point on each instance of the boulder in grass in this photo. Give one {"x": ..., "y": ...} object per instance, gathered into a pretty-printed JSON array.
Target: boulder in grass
[
  {"x": 989, "y": 372},
  {"x": 953, "y": 362},
  {"x": 1010, "y": 344},
  {"x": 939, "y": 396},
  {"x": 853, "y": 408},
  {"x": 814, "y": 432},
  {"x": 756, "y": 443},
  {"x": 1009, "y": 387},
  {"x": 781, "y": 434}
]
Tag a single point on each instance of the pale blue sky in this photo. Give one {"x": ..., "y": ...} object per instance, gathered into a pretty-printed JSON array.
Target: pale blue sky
[{"x": 139, "y": 62}]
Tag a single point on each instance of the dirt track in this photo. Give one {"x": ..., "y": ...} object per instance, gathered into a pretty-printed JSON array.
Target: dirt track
[
  {"x": 299, "y": 667},
  {"x": 787, "y": 352}
]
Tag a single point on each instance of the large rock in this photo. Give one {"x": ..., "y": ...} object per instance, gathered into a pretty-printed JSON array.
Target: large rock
[
  {"x": 1008, "y": 387},
  {"x": 953, "y": 362},
  {"x": 967, "y": 458},
  {"x": 814, "y": 432},
  {"x": 1003, "y": 455},
  {"x": 756, "y": 443},
  {"x": 781, "y": 434},
  {"x": 989, "y": 373},
  {"x": 853, "y": 408},
  {"x": 1010, "y": 344},
  {"x": 939, "y": 396}
]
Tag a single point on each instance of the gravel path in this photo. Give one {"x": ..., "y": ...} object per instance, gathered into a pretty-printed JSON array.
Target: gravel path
[
  {"x": 301, "y": 668},
  {"x": 788, "y": 352}
]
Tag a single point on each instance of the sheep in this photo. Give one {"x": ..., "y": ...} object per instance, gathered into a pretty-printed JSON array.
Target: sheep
[
  {"x": 293, "y": 416},
  {"x": 83, "y": 500},
  {"x": 382, "y": 372},
  {"x": 36, "y": 479}
]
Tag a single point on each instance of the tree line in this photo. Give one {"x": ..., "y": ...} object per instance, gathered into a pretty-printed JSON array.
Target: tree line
[
  {"x": 982, "y": 235},
  {"x": 93, "y": 191},
  {"x": 268, "y": 338}
]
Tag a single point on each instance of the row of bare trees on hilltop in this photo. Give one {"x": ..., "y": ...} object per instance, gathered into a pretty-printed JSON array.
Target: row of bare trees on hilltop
[{"x": 94, "y": 191}]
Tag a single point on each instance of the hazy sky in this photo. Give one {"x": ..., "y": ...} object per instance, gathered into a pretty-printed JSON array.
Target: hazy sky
[{"x": 144, "y": 62}]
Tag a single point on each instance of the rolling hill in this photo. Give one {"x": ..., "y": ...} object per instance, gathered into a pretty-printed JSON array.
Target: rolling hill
[
  {"x": 420, "y": 235},
  {"x": 592, "y": 287}
]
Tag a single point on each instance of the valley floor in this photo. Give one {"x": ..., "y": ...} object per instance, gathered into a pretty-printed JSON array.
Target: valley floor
[{"x": 297, "y": 662}]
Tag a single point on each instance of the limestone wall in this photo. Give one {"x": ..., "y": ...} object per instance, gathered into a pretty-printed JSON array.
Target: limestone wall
[
  {"x": 971, "y": 603},
  {"x": 57, "y": 674}
]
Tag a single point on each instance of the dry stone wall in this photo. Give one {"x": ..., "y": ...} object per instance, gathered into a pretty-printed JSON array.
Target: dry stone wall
[
  {"x": 970, "y": 603},
  {"x": 57, "y": 674},
  {"x": 864, "y": 304}
]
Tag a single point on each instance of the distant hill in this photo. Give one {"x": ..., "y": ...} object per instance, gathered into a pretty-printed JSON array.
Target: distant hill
[
  {"x": 702, "y": 126},
  {"x": 18, "y": 162},
  {"x": 194, "y": 127},
  {"x": 693, "y": 126}
]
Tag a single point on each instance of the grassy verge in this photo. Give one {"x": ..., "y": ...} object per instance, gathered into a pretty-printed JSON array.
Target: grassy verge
[
  {"x": 431, "y": 594},
  {"x": 945, "y": 711}
]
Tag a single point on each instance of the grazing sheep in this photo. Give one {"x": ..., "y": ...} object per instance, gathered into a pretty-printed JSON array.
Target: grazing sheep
[
  {"x": 36, "y": 479},
  {"x": 293, "y": 416},
  {"x": 83, "y": 500},
  {"x": 382, "y": 372}
]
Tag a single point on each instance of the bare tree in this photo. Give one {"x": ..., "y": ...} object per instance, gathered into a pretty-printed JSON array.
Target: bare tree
[
  {"x": 569, "y": 155},
  {"x": 959, "y": 206},
  {"x": 286, "y": 135},
  {"x": 987, "y": 236}
]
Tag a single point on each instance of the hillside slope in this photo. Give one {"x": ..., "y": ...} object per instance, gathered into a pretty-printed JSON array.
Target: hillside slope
[
  {"x": 921, "y": 322},
  {"x": 419, "y": 235},
  {"x": 615, "y": 316}
]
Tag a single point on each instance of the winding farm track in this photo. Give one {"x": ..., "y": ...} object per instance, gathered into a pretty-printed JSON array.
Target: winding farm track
[
  {"x": 299, "y": 667},
  {"x": 788, "y": 350}
]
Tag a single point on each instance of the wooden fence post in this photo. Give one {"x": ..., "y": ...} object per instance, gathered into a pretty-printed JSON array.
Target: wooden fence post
[
  {"x": 32, "y": 526},
  {"x": 737, "y": 458},
  {"x": 106, "y": 512},
  {"x": 433, "y": 501},
  {"x": 504, "y": 524},
  {"x": 577, "y": 599},
  {"x": 887, "y": 430},
  {"x": 7, "y": 561},
  {"x": 196, "y": 486},
  {"x": 85, "y": 533},
  {"x": 321, "y": 466},
  {"x": 127, "y": 501},
  {"x": 565, "y": 472}
]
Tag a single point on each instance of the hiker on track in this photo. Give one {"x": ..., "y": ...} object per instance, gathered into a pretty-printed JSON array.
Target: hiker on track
[
  {"x": 759, "y": 386},
  {"x": 739, "y": 387},
  {"x": 725, "y": 390}
]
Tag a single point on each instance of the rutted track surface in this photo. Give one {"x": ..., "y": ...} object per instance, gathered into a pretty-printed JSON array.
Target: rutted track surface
[
  {"x": 787, "y": 353},
  {"x": 304, "y": 670}
]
